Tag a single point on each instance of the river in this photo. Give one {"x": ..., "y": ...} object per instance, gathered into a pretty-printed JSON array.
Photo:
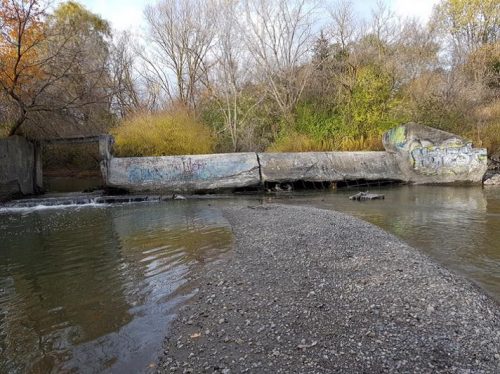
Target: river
[{"x": 93, "y": 288}]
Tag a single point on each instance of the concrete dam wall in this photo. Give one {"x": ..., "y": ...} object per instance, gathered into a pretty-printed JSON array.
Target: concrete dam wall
[
  {"x": 243, "y": 170},
  {"x": 17, "y": 167},
  {"x": 414, "y": 154}
]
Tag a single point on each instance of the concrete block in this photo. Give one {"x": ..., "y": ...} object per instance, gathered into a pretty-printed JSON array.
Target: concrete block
[
  {"x": 428, "y": 155},
  {"x": 184, "y": 173},
  {"x": 328, "y": 166}
]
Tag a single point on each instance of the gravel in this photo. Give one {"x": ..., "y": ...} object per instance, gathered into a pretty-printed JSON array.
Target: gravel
[{"x": 314, "y": 291}]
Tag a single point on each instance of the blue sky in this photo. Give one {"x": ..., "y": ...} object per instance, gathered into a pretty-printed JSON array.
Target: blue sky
[{"x": 128, "y": 14}]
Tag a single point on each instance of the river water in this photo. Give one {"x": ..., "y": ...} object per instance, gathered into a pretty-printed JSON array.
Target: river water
[{"x": 93, "y": 288}]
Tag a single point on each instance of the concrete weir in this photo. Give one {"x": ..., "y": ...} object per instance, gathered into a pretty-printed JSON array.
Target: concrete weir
[
  {"x": 244, "y": 170},
  {"x": 414, "y": 154},
  {"x": 328, "y": 166}
]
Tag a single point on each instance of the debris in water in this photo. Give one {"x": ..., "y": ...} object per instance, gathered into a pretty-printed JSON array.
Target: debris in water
[{"x": 361, "y": 196}]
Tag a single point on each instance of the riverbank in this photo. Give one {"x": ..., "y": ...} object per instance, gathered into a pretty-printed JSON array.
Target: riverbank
[{"x": 313, "y": 291}]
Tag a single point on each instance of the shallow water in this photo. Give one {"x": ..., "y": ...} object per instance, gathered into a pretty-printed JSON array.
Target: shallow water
[{"x": 93, "y": 288}]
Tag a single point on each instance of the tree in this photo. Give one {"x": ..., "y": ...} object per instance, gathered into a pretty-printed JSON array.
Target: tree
[
  {"x": 230, "y": 76},
  {"x": 279, "y": 35},
  {"x": 181, "y": 34},
  {"x": 85, "y": 88},
  {"x": 127, "y": 98},
  {"x": 52, "y": 64},
  {"x": 343, "y": 26},
  {"x": 22, "y": 34},
  {"x": 469, "y": 24}
]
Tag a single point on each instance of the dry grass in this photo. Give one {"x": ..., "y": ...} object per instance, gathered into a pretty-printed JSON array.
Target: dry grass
[{"x": 302, "y": 143}]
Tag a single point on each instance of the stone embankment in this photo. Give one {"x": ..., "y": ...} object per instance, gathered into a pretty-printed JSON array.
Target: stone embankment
[{"x": 314, "y": 291}]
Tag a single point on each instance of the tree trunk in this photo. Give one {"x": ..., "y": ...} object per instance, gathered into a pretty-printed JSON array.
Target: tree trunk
[{"x": 20, "y": 120}]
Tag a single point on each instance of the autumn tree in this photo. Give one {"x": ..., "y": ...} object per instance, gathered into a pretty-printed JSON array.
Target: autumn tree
[
  {"x": 22, "y": 35},
  {"x": 51, "y": 64},
  {"x": 468, "y": 24}
]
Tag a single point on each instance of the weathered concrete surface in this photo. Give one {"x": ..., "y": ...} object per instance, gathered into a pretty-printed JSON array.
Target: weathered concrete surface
[
  {"x": 428, "y": 155},
  {"x": 328, "y": 166},
  {"x": 314, "y": 291},
  {"x": 184, "y": 173},
  {"x": 17, "y": 167}
]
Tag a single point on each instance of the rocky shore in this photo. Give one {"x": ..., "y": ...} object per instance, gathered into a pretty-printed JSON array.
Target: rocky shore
[{"x": 314, "y": 291}]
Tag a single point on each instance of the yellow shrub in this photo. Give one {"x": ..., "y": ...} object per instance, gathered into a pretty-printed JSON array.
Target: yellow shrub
[{"x": 162, "y": 134}]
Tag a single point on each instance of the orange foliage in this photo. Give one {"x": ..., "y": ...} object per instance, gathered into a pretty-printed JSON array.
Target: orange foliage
[{"x": 21, "y": 37}]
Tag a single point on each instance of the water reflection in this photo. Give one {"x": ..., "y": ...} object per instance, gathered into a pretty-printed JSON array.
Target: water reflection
[
  {"x": 90, "y": 289},
  {"x": 458, "y": 226},
  {"x": 93, "y": 288}
]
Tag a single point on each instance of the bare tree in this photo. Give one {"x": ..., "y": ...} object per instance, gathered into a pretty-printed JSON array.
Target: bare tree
[
  {"x": 231, "y": 71},
  {"x": 279, "y": 35},
  {"x": 181, "y": 34},
  {"x": 127, "y": 97},
  {"x": 343, "y": 26},
  {"x": 384, "y": 23}
]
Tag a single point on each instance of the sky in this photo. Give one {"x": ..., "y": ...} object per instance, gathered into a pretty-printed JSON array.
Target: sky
[{"x": 128, "y": 14}]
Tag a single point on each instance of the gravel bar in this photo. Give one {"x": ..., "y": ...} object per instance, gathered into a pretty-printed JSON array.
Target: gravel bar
[{"x": 314, "y": 291}]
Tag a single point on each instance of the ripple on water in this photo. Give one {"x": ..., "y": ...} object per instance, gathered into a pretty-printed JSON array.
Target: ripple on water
[{"x": 94, "y": 288}]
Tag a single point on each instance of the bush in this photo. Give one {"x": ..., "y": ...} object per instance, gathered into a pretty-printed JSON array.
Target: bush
[{"x": 161, "y": 134}]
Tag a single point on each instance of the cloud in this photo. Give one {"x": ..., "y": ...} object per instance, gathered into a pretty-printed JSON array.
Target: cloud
[
  {"x": 420, "y": 9},
  {"x": 128, "y": 14},
  {"x": 123, "y": 14}
]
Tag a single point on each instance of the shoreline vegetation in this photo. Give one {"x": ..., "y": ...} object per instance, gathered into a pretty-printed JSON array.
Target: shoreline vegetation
[
  {"x": 309, "y": 290},
  {"x": 315, "y": 78}
]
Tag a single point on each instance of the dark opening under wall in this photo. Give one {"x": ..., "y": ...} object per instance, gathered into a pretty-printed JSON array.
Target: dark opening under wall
[
  {"x": 302, "y": 185},
  {"x": 71, "y": 167}
]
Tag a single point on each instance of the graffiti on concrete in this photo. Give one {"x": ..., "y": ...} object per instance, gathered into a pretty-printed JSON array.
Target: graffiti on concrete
[
  {"x": 186, "y": 170},
  {"x": 446, "y": 160}
]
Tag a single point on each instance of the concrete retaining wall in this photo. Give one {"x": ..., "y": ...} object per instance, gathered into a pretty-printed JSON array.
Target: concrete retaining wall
[{"x": 17, "y": 167}]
